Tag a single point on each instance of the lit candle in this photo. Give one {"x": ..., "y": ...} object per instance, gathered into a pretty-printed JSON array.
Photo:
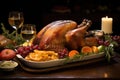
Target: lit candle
[{"x": 107, "y": 25}]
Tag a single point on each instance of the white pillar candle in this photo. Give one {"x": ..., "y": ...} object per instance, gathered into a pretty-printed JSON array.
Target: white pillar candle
[{"x": 107, "y": 25}]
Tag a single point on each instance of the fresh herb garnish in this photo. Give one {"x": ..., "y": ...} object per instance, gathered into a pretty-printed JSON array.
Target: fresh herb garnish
[
  {"x": 109, "y": 43},
  {"x": 16, "y": 41}
]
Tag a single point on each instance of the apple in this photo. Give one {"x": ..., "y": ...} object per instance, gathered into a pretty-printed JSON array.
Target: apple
[{"x": 7, "y": 54}]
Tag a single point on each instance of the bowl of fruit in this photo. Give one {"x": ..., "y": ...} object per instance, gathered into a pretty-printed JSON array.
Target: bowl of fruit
[{"x": 34, "y": 57}]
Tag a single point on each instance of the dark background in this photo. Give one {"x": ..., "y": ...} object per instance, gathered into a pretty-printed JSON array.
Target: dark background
[{"x": 43, "y": 12}]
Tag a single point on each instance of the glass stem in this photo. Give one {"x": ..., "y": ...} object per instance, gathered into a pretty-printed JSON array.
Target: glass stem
[{"x": 16, "y": 33}]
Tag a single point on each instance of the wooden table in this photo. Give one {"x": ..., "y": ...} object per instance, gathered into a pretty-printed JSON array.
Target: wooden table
[{"x": 99, "y": 70}]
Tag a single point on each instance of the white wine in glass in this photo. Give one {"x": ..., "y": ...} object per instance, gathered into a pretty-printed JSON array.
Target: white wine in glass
[
  {"x": 28, "y": 32},
  {"x": 16, "y": 20}
]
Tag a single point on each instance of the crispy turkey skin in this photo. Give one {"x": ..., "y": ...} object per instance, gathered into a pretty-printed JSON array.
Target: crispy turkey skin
[{"x": 63, "y": 34}]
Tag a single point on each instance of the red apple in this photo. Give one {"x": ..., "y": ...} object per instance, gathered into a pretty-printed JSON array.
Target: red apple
[{"x": 7, "y": 54}]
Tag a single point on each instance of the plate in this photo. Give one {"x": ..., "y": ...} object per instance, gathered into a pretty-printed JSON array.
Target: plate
[{"x": 57, "y": 62}]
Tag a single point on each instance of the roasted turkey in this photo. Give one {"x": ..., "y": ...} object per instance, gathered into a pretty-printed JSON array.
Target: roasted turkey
[{"x": 62, "y": 34}]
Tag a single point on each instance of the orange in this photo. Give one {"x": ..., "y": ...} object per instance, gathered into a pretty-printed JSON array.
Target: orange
[
  {"x": 86, "y": 49},
  {"x": 95, "y": 49},
  {"x": 72, "y": 53},
  {"x": 35, "y": 56}
]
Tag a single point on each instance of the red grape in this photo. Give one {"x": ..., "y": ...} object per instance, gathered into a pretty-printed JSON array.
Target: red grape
[
  {"x": 106, "y": 43},
  {"x": 63, "y": 53},
  {"x": 101, "y": 42},
  {"x": 25, "y": 50}
]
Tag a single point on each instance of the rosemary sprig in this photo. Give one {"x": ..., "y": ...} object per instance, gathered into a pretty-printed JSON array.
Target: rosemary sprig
[
  {"x": 108, "y": 52},
  {"x": 109, "y": 49},
  {"x": 6, "y": 32},
  {"x": 17, "y": 41}
]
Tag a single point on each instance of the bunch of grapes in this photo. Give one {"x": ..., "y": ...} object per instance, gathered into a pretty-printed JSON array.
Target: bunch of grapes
[
  {"x": 106, "y": 42},
  {"x": 63, "y": 53},
  {"x": 116, "y": 38},
  {"x": 25, "y": 50}
]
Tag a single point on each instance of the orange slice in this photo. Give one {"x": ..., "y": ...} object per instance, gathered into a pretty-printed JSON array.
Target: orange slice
[
  {"x": 86, "y": 49},
  {"x": 35, "y": 56},
  {"x": 72, "y": 53}
]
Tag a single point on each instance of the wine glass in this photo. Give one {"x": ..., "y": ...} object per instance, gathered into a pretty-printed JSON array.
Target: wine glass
[
  {"x": 16, "y": 20},
  {"x": 28, "y": 32}
]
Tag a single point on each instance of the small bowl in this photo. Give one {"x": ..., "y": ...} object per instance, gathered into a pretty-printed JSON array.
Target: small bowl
[{"x": 9, "y": 65}]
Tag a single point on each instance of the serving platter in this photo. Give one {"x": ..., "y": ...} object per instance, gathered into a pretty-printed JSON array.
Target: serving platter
[{"x": 46, "y": 66}]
